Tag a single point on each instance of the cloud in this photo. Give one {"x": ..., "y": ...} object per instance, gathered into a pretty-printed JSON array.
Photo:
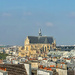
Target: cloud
[
  {"x": 6, "y": 14},
  {"x": 27, "y": 13},
  {"x": 49, "y": 24}
]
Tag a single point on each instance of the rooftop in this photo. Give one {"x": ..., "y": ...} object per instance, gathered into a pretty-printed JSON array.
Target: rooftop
[{"x": 40, "y": 39}]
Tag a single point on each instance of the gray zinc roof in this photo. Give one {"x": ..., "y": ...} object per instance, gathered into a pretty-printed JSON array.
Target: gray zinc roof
[{"x": 40, "y": 39}]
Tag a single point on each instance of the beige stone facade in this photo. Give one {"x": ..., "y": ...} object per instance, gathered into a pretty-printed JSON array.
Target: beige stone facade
[
  {"x": 35, "y": 46},
  {"x": 36, "y": 49}
]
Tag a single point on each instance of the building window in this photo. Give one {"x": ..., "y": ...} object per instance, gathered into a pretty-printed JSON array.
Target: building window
[
  {"x": 26, "y": 48},
  {"x": 50, "y": 47},
  {"x": 45, "y": 49},
  {"x": 31, "y": 46},
  {"x": 41, "y": 51},
  {"x": 47, "y": 46},
  {"x": 35, "y": 46}
]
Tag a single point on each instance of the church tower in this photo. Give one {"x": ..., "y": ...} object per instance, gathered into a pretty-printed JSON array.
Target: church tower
[{"x": 40, "y": 34}]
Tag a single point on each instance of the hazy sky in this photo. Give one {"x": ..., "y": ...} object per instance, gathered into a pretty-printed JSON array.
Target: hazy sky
[{"x": 20, "y": 18}]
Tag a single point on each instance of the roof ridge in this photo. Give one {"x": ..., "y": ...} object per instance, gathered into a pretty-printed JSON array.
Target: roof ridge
[{"x": 40, "y": 36}]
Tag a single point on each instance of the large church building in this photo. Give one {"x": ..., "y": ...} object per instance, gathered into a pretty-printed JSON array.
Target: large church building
[{"x": 37, "y": 46}]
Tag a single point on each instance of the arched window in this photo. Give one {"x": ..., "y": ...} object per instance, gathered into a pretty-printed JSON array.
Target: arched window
[
  {"x": 41, "y": 51},
  {"x": 26, "y": 48},
  {"x": 45, "y": 49},
  {"x": 47, "y": 46}
]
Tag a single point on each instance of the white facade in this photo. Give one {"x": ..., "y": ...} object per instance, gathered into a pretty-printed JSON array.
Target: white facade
[
  {"x": 47, "y": 63},
  {"x": 28, "y": 68},
  {"x": 40, "y": 58},
  {"x": 3, "y": 72},
  {"x": 15, "y": 62},
  {"x": 44, "y": 72},
  {"x": 61, "y": 71},
  {"x": 68, "y": 61}
]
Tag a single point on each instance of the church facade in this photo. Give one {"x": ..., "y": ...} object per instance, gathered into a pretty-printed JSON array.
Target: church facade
[{"x": 37, "y": 46}]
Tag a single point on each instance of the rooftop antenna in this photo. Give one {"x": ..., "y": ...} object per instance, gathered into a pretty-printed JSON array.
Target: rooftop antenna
[{"x": 40, "y": 34}]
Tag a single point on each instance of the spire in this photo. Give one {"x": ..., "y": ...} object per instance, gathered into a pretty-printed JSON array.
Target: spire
[
  {"x": 54, "y": 41},
  {"x": 40, "y": 34}
]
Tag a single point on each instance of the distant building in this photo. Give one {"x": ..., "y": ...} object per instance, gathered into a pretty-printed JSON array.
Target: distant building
[
  {"x": 66, "y": 47},
  {"x": 37, "y": 46}
]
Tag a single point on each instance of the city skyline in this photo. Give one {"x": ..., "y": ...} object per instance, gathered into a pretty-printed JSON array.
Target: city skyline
[{"x": 19, "y": 19}]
